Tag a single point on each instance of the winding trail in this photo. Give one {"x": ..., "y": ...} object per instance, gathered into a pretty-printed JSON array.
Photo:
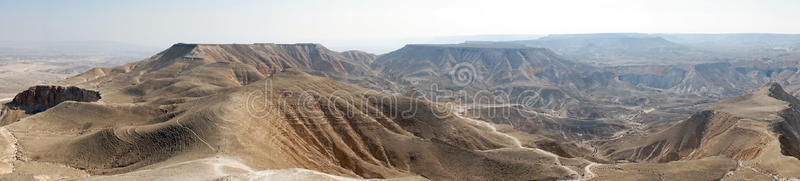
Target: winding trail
[
  {"x": 587, "y": 171},
  {"x": 196, "y": 135},
  {"x": 587, "y": 174},
  {"x": 740, "y": 164},
  {"x": 9, "y": 154}
]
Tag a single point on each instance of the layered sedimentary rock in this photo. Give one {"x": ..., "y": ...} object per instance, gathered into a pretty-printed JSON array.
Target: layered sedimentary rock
[
  {"x": 39, "y": 98},
  {"x": 49, "y": 96},
  {"x": 517, "y": 71}
]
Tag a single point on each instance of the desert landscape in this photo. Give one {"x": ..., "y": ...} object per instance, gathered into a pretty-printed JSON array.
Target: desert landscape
[
  {"x": 324, "y": 90},
  {"x": 28, "y": 63},
  {"x": 423, "y": 112}
]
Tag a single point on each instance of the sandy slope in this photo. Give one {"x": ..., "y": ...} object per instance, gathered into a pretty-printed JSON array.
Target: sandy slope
[
  {"x": 239, "y": 112},
  {"x": 755, "y": 131},
  {"x": 352, "y": 135}
]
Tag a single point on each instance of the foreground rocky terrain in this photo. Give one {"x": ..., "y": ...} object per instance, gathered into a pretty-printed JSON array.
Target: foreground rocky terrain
[
  {"x": 285, "y": 119},
  {"x": 423, "y": 112}
]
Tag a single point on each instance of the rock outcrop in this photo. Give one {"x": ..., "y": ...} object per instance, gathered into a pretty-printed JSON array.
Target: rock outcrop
[{"x": 42, "y": 97}]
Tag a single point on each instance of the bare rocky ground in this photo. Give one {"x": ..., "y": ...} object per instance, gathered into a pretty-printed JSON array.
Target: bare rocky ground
[{"x": 301, "y": 111}]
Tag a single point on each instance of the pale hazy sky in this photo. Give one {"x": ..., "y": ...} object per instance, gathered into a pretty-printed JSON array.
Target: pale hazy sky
[{"x": 376, "y": 25}]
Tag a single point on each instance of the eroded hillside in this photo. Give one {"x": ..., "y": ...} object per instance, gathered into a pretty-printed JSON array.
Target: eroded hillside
[{"x": 277, "y": 111}]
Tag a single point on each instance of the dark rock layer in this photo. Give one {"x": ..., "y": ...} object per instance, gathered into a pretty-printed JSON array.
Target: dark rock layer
[{"x": 42, "y": 97}]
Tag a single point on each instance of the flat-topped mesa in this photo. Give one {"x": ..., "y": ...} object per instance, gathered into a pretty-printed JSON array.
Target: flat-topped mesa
[
  {"x": 268, "y": 58},
  {"x": 491, "y": 64},
  {"x": 41, "y": 97},
  {"x": 473, "y": 47},
  {"x": 459, "y": 53}
]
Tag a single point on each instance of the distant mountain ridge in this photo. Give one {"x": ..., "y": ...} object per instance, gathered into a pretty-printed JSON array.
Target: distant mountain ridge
[
  {"x": 515, "y": 71},
  {"x": 493, "y": 65},
  {"x": 611, "y": 48},
  {"x": 276, "y": 57}
]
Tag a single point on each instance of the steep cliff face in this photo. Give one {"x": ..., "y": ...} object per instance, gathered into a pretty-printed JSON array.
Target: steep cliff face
[
  {"x": 39, "y": 98},
  {"x": 49, "y": 96}
]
